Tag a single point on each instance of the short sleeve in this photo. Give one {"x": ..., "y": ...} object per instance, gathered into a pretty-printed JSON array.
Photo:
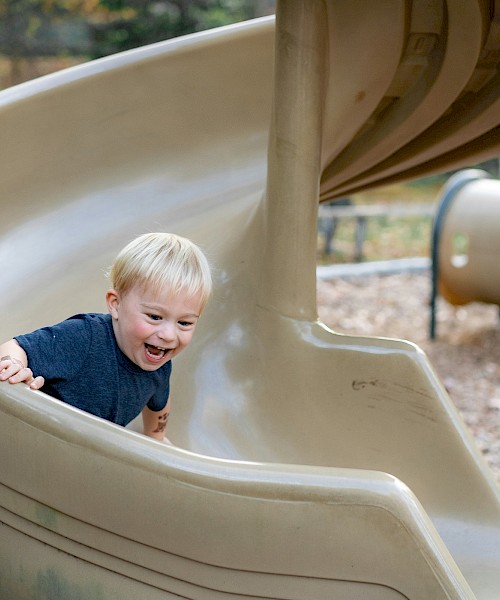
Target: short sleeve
[
  {"x": 57, "y": 352},
  {"x": 160, "y": 398}
]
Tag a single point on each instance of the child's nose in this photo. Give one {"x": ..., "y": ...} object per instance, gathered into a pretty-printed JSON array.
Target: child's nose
[{"x": 167, "y": 331}]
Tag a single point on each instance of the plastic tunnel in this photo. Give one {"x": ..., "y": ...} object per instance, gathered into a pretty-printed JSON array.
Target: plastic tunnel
[
  {"x": 465, "y": 240},
  {"x": 307, "y": 464}
]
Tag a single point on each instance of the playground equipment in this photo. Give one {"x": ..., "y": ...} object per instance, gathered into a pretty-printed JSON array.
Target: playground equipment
[
  {"x": 307, "y": 464},
  {"x": 465, "y": 242}
]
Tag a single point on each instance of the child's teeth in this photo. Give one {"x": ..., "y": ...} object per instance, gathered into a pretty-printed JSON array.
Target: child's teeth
[{"x": 155, "y": 350}]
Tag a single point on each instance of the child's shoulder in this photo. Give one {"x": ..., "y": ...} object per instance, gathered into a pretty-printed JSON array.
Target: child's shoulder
[
  {"x": 87, "y": 322},
  {"x": 94, "y": 318}
]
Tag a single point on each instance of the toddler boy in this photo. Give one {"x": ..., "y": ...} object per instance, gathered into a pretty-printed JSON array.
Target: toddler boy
[{"x": 118, "y": 365}]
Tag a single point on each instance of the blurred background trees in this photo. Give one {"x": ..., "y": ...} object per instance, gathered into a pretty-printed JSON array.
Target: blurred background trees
[{"x": 41, "y": 36}]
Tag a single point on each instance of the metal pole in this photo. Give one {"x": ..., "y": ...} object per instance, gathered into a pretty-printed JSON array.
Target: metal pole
[{"x": 288, "y": 283}]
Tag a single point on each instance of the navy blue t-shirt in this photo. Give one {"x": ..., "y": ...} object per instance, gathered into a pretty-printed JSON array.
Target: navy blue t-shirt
[{"x": 83, "y": 366}]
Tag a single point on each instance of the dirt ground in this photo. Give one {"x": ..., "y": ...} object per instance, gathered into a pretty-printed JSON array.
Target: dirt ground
[{"x": 465, "y": 354}]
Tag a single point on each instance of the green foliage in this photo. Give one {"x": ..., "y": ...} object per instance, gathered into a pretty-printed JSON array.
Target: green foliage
[
  {"x": 430, "y": 181},
  {"x": 386, "y": 238},
  {"x": 95, "y": 28},
  {"x": 133, "y": 23},
  {"x": 30, "y": 28}
]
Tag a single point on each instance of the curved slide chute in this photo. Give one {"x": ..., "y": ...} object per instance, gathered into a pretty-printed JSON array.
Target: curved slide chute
[{"x": 307, "y": 464}]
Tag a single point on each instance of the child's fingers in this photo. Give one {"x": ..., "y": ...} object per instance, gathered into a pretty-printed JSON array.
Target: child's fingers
[
  {"x": 22, "y": 375},
  {"x": 8, "y": 369},
  {"x": 37, "y": 383},
  {"x": 14, "y": 372}
]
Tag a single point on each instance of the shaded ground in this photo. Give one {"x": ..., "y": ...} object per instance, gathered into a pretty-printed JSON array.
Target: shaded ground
[{"x": 466, "y": 353}]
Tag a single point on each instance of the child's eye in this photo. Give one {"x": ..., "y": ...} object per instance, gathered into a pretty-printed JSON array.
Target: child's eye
[
  {"x": 185, "y": 323},
  {"x": 154, "y": 317}
]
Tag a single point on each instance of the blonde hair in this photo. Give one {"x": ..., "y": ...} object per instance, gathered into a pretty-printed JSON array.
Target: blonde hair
[{"x": 162, "y": 260}]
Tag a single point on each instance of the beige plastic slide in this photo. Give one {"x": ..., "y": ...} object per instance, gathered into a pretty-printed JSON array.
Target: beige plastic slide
[{"x": 307, "y": 464}]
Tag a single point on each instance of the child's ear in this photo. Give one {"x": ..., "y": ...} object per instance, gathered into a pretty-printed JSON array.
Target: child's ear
[{"x": 113, "y": 301}]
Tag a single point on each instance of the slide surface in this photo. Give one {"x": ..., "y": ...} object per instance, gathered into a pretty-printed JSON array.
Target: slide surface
[{"x": 307, "y": 464}]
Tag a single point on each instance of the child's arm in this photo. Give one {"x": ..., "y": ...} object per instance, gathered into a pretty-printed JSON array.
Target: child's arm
[
  {"x": 155, "y": 423},
  {"x": 14, "y": 366}
]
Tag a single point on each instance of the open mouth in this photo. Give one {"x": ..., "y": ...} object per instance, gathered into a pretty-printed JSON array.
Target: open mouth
[{"x": 155, "y": 352}]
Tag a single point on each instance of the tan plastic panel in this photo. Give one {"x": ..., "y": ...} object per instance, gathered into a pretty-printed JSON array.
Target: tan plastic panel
[
  {"x": 445, "y": 119},
  {"x": 308, "y": 464},
  {"x": 469, "y": 244},
  {"x": 442, "y": 44}
]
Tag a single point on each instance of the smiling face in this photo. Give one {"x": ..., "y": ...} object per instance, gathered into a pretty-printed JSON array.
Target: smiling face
[{"x": 151, "y": 328}]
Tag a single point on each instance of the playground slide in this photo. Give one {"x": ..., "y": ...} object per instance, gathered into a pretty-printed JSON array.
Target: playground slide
[
  {"x": 307, "y": 464},
  {"x": 441, "y": 107}
]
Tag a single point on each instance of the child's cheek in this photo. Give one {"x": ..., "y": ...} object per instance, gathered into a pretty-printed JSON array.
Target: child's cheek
[
  {"x": 187, "y": 337},
  {"x": 142, "y": 329}
]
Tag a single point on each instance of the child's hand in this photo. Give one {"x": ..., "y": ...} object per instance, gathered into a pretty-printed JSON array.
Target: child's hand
[{"x": 13, "y": 371}]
